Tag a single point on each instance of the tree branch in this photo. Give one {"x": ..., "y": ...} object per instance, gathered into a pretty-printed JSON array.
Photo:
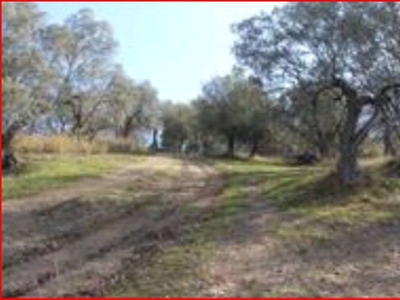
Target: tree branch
[{"x": 362, "y": 133}]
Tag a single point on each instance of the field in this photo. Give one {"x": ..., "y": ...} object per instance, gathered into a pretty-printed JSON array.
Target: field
[{"x": 159, "y": 226}]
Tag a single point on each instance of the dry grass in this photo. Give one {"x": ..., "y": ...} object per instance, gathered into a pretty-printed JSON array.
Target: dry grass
[
  {"x": 57, "y": 144},
  {"x": 64, "y": 144}
]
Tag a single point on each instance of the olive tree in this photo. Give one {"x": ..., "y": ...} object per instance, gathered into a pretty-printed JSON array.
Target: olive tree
[
  {"x": 80, "y": 53},
  {"x": 336, "y": 47},
  {"x": 25, "y": 73},
  {"x": 178, "y": 125},
  {"x": 233, "y": 107}
]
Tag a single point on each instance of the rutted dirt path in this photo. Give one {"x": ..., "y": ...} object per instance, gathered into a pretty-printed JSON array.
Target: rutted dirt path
[{"x": 78, "y": 241}]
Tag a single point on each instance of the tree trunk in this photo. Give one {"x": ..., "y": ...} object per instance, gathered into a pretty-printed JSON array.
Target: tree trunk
[
  {"x": 125, "y": 133},
  {"x": 389, "y": 149},
  {"x": 347, "y": 167},
  {"x": 127, "y": 127},
  {"x": 323, "y": 150},
  {"x": 180, "y": 147},
  {"x": 8, "y": 158},
  {"x": 231, "y": 146},
  {"x": 254, "y": 147},
  {"x": 154, "y": 144},
  {"x": 204, "y": 147}
]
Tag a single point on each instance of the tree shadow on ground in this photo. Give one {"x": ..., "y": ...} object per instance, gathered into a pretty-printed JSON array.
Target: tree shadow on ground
[{"x": 334, "y": 237}]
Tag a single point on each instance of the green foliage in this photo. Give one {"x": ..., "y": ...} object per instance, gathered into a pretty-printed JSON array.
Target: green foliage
[
  {"x": 233, "y": 107},
  {"x": 308, "y": 42},
  {"x": 25, "y": 74},
  {"x": 80, "y": 53},
  {"x": 315, "y": 124},
  {"x": 133, "y": 106},
  {"x": 62, "y": 78},
  {"x": 178, "y": 125},
  {"x": 323, "y": 52}
]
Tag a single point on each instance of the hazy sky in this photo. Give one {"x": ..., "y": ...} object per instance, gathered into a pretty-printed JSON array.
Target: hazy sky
[{"x": 177, "y": 46}]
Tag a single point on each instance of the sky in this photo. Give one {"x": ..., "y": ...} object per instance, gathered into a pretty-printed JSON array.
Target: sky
[{"x": 176, "y": 46}]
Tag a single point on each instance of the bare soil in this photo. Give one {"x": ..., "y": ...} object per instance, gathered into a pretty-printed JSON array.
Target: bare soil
[{"x": 78, "y": 241}]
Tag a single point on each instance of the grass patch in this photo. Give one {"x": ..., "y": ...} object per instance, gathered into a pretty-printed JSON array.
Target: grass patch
[
  {"x": 172, "y": 273},
  {"x": 43, "y": 172},
  {"x": 311, "y": 204}
]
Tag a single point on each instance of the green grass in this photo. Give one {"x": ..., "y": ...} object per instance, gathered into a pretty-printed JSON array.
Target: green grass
[
  {"x": 171, "y": 273},
  {"x": 317, "y": 205},
  {"x": 43, "y": 172}
]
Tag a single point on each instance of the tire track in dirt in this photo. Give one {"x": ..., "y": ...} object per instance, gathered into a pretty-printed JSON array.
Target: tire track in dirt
[
  {"x": 98, "y": 275},
  {"x": 14, "y": 255},
  {"x": 56, "y": 196},
  {"x": 104, "y": 265},
  {"x": 25, "y": 277},
  {"x": 106, "y": 250},
  {"x": 20, "y": 218}
]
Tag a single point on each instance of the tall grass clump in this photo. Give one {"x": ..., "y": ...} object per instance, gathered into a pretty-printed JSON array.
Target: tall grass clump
[
  {"x": 121, "y": 145},
  {"x": 64, "y": 144},
  {"x": 57, "y": 144}
]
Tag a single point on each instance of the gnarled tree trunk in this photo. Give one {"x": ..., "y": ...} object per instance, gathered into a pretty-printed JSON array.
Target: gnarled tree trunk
[
  {"x": 8, "y": 158},
  {"x": 350, "y": 137},
  {"x": 154, "y": 144},
  {"x": 347, "y": 167},
  {"x": 231, "y": 146},
  {"x": 323, "y": 150},
  {"x": 254, "y": 147},
  {"x": 389, "y": 148}
]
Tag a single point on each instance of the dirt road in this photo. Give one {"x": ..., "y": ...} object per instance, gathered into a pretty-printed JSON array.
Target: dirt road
[
  {"x": 79, "y": 241},
  {"x": 166, "y": 227}
]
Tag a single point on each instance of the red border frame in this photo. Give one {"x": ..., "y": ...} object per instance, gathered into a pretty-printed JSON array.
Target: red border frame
[{"x": 1, "y": 250}]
